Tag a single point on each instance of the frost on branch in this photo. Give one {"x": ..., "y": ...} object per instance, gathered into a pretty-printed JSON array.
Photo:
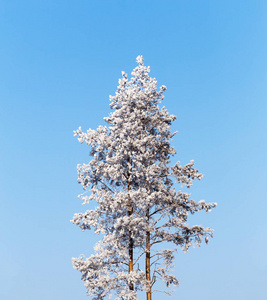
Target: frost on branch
[
  {"x": 105, "y": 272},
  {"x": 130, "y": 190},
  {"x": 186, "y": 174}
]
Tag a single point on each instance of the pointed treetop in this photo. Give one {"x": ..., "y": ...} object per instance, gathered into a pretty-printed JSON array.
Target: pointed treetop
[{"x": 140, "y": 60}]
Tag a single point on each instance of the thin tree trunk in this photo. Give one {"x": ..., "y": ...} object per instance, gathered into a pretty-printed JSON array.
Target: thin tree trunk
[
  {"x": 130, "y": 212},
  {"x": 131, "y": 242},
  {"x": 148, "y": 293}
]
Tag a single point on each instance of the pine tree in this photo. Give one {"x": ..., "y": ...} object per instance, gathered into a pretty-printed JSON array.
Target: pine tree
[{"x": 133, "y": 184}]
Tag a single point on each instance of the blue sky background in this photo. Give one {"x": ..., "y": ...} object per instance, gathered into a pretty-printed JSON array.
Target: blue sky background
[{"x": 59, "y": 62}]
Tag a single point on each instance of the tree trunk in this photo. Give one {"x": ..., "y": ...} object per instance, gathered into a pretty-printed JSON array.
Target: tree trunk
[
  {"x": 130, "y": 212},
  {"x": 131, "y": 287},
  {"x": 148, "y": 293},
  {"x": 131, "y": 242}
]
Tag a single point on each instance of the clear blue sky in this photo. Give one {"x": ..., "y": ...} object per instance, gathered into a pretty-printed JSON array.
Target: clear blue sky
[{"x": 59, "y": 62}]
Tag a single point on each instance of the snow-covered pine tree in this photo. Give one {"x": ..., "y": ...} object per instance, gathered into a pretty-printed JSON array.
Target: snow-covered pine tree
[{"x": 133, "y": 184}]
